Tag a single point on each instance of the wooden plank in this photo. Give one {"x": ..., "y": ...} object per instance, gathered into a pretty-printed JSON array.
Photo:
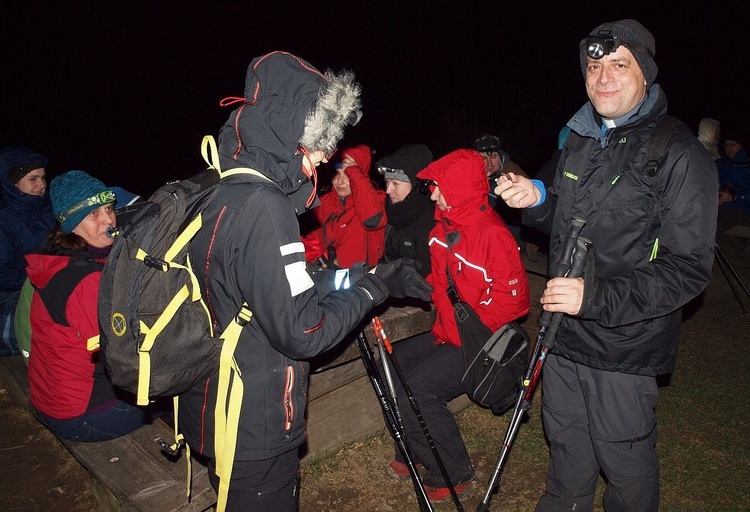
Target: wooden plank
[
  {"x": 347, "y": 415},
  {"x": 399, "y": 323},
  {"x": 341, "y": 417},
  {"x": 13, "y": 377},
  {"x": 132, "y": 473}
]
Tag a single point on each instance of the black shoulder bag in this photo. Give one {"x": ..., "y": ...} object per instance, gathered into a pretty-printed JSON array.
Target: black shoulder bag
[{"x": 494, "y": 363}]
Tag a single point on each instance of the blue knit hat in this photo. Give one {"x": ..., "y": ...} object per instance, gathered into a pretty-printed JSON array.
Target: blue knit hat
[{"x": 74, "y": 195}]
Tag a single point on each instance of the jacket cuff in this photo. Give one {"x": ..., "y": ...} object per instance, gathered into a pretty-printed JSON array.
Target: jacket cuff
[
  {"x": 374, "y": 287},
  {"x": 542, "y": 192}
]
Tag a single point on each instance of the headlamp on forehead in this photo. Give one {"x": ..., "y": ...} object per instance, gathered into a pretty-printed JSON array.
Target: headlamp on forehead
[
  {"x": 601, "y": 44},
  {"x": 424, "y": 187},
  {"x": 386, "y": 170},
  {"x": 605, "y": 42}
]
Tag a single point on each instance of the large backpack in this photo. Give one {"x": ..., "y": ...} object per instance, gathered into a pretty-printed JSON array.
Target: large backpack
[{"x": 156, "y": 333}]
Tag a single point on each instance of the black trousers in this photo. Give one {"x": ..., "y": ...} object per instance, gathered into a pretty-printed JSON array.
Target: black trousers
[
  {"x": 271, "y": 484},
  {"x": 433, "y": 373},
  {"x": 595, "y": 421}
]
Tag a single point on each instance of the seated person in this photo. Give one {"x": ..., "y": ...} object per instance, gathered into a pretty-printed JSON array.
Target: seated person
[
  {"x": 25, "y": 219},
  {"x": 351, "y": 216},
  {"x": 734, "y": 183},
  {"x": 472, "y": 244},
  {"x": 126, "y": 206},
  {"x": 408, "y": 207},
  {"x": 70, "y": 391},
  {"x": 709, "y": 133}
]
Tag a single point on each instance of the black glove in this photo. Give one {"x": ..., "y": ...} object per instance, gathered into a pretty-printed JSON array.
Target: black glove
[{"x": 403, "y": 280}]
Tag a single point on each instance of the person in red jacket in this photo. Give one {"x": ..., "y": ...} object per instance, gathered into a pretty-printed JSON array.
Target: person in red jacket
[
  {"x": 471, "y": 243},
  {"x": 352, "y": 215},
  {"x": 70, "y": 391}
]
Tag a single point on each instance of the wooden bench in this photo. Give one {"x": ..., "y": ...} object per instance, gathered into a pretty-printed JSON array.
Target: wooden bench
[
  {"x": 342, "y": 406},
  {"x": 132, "y": 473}
]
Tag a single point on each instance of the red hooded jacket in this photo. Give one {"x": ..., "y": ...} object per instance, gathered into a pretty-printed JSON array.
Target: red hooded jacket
[
  {"x": 355, "y": 225},
  {"x": 472, "y": 243},
  {"x": 65, "y": 379}
]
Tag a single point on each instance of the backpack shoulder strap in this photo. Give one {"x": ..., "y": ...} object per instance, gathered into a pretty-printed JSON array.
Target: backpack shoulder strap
[
  {"x": 211, "y": 157},
  {"x": 657, "y": 145}
]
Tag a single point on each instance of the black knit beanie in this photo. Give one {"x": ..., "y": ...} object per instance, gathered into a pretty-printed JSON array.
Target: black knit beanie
[
  {"x": 627, "y": 32},
  {"x": 17, "y": 172}
]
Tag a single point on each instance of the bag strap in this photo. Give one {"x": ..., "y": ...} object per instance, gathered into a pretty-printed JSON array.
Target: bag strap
[
  {"x": 451, "y": 290},
  {"x": 210, "y": 154},
  {"x": 228, "y": 405},
  {"x": 657, "y": 146}
]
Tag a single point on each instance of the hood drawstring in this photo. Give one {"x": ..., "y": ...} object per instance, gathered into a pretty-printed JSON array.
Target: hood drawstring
[
  {"x": 231, "y": 100},
  {"x": 312, "y": 175}
]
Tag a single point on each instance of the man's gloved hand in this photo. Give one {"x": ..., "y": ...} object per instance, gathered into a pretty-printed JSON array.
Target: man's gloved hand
[{"x": 403, "y": 280}]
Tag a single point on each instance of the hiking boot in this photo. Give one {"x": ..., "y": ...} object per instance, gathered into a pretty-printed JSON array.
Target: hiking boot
[
  {"x": 438, "y": 494},
  {"x": 399, "y": 470}
]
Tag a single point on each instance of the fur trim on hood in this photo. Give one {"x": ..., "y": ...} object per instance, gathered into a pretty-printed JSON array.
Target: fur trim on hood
[
  {"x": 287, "y": 103},
  {"x": 337, "y": 107}
]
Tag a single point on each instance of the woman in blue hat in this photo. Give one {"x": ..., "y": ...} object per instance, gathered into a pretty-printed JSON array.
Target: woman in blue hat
[{"x": 70, "y": 391}]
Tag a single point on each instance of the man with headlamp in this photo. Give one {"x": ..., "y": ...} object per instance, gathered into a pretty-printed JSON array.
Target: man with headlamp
[{"x": 652, "y": 237}]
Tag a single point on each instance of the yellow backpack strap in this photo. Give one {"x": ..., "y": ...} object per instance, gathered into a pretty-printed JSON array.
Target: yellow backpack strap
[
  {"x": 92, "y": 343},
  {"x": 210, "y": 152},
  {"x": 228, "y": 405}
]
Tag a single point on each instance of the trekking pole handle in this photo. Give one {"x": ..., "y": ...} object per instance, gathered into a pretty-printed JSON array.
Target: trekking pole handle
[
  {"x": 576, "y": 269},
  {"x": 564, "y": 261}
]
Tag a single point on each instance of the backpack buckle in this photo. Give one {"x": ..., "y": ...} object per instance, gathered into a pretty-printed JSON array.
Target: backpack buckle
[
  {"x": 156, "y": 263},
  {"x": 243, "y": 317}
]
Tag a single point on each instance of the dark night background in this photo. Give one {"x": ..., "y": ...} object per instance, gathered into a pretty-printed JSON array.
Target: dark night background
[{"x": 127, "y": 90}]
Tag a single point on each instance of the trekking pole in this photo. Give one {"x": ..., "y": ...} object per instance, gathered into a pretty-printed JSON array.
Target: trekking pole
[
  {"x": 729, "y": 272},
  {"x": 571, "y": 262},
  {"x": 389, "y": 382},
  {"x": 391, "y": 421},
  {"x": 384, "y": 342}
]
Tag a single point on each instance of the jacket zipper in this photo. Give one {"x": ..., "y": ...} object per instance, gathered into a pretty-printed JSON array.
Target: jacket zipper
[{"x": 288, "y": 401}]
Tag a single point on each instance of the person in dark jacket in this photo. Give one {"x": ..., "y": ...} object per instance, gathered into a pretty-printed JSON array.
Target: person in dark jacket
[
  {"x": 496, "y": 162},
  {"x": 25, "y": 219},
  {"x": 409, "y": 209},
  {"x": 734, "y": 187},
  {"x": 249, "y": 250},
  {"x": 652, "y": 252}
]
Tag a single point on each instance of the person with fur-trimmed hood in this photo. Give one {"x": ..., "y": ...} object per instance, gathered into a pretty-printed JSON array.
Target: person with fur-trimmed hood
[{"x": 249, "y": 250}]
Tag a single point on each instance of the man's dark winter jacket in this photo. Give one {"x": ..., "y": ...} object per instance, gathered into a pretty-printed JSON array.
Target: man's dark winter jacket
[{"x": 652, "y": 251}]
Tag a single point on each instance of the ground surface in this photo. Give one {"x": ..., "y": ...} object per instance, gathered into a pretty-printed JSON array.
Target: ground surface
[{"x": 700, "y": 471}]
